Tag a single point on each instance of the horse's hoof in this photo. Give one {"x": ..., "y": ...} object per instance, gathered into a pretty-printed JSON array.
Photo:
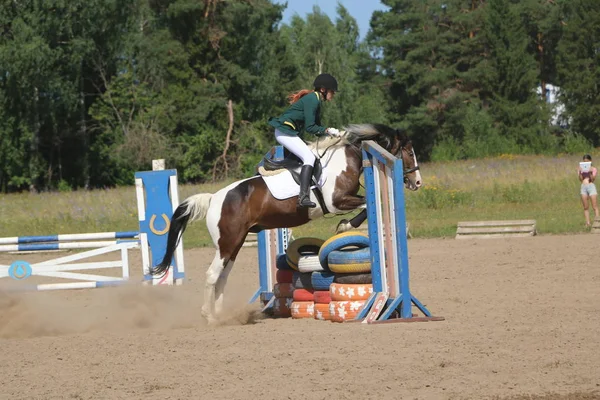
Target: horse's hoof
[
  {"x": 343, "y": 226},
  {"x": 208, "y": 316}
]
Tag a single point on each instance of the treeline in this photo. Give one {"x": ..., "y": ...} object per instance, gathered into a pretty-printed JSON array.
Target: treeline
[{"x": 91, "y": 91}]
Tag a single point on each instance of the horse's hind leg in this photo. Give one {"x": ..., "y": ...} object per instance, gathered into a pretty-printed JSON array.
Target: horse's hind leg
[
  {"x": 220, "y": 287},
  {"x": 216, "y": 279},
  {"x": 212, "y": 277}
]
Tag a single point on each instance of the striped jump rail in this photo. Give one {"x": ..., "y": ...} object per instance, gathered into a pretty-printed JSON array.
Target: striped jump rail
[
  {"x": 62, "y": 267},
  {"x": 66, "y": 241}
]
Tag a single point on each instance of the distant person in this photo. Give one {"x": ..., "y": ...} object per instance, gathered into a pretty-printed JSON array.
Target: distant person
[
  {"x": 304, "y": 113},
  {"x": 587, "y": 176}
]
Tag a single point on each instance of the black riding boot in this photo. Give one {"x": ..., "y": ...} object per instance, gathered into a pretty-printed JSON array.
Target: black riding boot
[{"x": 305, "y": 178}]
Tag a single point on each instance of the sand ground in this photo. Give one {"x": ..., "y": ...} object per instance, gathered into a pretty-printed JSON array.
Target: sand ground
[{"x": 522, "y": 321}]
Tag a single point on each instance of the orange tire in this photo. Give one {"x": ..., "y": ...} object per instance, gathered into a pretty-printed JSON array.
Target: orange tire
[
  {"x": 304, "y": 295},
  {"x": 283, "y": 290},
  {"x": 284, "y": 276},
  {"x": 322, "y": 312},
  {"x": 350, "y": 292},
  {"x": 345, "y": 310},
  {"x": 282, "y": 307},
  {"x": 322, "y": 296},
  {"x": 303, "y": 309}
]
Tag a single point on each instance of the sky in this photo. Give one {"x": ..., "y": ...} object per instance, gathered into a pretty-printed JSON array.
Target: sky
[{"x": 361, "y": 10}]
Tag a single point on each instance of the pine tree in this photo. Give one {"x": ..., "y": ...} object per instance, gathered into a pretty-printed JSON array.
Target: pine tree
[{"x": 578, "y": 66}]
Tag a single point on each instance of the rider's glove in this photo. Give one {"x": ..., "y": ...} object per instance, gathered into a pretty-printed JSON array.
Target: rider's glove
[{"x": 333, "y": 132}]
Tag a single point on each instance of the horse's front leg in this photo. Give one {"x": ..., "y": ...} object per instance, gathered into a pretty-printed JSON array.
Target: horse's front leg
[
  {"x": 350, "y": 202},
  {"x": 354, "y": 223}
]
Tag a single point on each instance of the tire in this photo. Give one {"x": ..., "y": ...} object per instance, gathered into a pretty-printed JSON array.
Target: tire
[
  {"x": 303, "y": 309},
  {"x": 322, "y": 297},
  {"x": 321, "y": 280},
  {"x": 353, "y": 278},
  {"x": 282, "y": 264},
  {"x": 302, "y": 246},
  {"x": 304, "y": 295},
  {"x": 342, "y": 292},
  {"x": 284, "y": 276},
  {"x": 322, "y": 312},
  {"x": 283, "y": 290},
  {"x": 344, "y": 310},
  {"x": 350, "y": 261},
  {"x": 282, "y": 308},
  {"x": 340, "y": 241},
  {"x": 302, "y": 280},
  {"x": 309, "y": 263}
]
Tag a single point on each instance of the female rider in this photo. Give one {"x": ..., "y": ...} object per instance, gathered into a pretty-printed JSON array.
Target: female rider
[{"x": 304, "y": 113}]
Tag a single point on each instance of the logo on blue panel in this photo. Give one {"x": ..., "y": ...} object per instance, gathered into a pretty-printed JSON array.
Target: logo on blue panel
[
  {"x": 157, "y": 231},
  {"x": 19, "y": 270}
]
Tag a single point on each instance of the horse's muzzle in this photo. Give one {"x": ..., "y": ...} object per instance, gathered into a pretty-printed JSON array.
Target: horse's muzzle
[{"x": 409, "y": 184}]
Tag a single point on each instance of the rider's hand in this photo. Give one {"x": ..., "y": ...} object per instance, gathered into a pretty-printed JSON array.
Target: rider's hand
[{"x": 333, "y": 132}]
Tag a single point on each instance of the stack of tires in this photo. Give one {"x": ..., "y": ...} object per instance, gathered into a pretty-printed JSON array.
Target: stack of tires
[
  {"x": 283, "y": 289},
  {"x": 311, "y": 281},
  {"x": 347, "y": 257}
]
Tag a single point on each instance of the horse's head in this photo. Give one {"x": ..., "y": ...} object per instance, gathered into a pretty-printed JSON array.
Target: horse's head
[{"x": 396, "y": 141}]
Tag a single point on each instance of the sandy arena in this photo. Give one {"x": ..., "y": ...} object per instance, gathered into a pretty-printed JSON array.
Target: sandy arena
[{"x": 522, "y": 322}]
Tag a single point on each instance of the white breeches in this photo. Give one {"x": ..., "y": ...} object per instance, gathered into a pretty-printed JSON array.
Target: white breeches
[{"x": 296, "y": 146}]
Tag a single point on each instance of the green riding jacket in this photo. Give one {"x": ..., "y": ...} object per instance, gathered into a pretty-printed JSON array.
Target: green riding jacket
[{"x": 305, "y": 114}]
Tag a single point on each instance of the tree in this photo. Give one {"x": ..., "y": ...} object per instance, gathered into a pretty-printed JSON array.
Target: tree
[
  {"x": 578, "y": 66},
  {"x": 512, "y": 78}
]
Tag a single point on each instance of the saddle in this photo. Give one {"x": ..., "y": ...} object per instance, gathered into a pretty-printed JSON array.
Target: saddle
[{"x": 293, "y": 164}]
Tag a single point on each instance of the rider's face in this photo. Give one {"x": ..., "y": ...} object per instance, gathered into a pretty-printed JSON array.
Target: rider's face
[{"x": 329, "y": 95}]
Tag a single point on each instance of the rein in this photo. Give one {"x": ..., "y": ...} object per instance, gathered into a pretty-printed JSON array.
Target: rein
[{"x": 327, "y": 148}]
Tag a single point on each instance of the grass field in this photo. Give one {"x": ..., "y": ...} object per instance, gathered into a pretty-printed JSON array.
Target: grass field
[{"x": 508, "y": 187}]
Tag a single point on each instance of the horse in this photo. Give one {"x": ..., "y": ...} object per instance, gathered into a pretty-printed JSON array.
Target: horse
[{"x": 248, "y": 205}]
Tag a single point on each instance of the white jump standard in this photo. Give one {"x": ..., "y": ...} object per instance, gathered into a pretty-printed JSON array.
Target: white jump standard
[
  {"x": 156, "y": 199},
  {"x": 61, "y": 267}
]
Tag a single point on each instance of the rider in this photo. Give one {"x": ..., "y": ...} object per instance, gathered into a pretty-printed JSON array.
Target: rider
[{"x": 304, "y": 113}]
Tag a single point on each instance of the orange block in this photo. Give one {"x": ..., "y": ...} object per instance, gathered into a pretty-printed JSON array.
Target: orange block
[
  {"x": 304, "y": 295},
  {"x": 322, "y": 312},
  {"x": 345, "y": 310},
  {"x": 303, "y": 309},
  {"x": 322, "y": 296},
  {"x": 350, "y": 292}
]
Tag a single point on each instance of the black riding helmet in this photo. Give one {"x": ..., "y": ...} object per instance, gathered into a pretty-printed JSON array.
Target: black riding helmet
[{"x": 326, "y": 81}]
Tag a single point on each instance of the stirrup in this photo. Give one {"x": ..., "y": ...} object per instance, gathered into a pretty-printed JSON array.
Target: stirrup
[{"x": 304, "y": 201}]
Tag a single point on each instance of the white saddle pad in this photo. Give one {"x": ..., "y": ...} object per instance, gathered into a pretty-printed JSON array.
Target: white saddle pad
[{"x": 282, "y": 186}]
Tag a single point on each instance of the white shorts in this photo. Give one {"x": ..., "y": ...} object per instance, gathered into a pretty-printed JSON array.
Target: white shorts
[{"x": 588, "y": 189}]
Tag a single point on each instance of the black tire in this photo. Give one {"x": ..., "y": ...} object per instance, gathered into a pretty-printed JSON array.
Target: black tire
[
  {"x": 353, "y": 278},
  {"x": 302, "y": 280}
]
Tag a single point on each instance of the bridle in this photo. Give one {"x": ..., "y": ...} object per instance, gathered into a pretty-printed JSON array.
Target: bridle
[
  {"x": 409, "y": 171},
  {"x": 358, "y": 150}
]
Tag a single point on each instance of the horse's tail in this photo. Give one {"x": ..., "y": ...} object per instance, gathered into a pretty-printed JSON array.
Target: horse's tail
[{"x": 193, "y": 208}]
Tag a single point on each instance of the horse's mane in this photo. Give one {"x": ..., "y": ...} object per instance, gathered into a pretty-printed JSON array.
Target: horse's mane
[{"x": 356, "y": 133}]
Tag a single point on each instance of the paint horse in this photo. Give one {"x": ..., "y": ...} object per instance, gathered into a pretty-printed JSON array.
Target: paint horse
[{"x": 249, "y": 206}]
